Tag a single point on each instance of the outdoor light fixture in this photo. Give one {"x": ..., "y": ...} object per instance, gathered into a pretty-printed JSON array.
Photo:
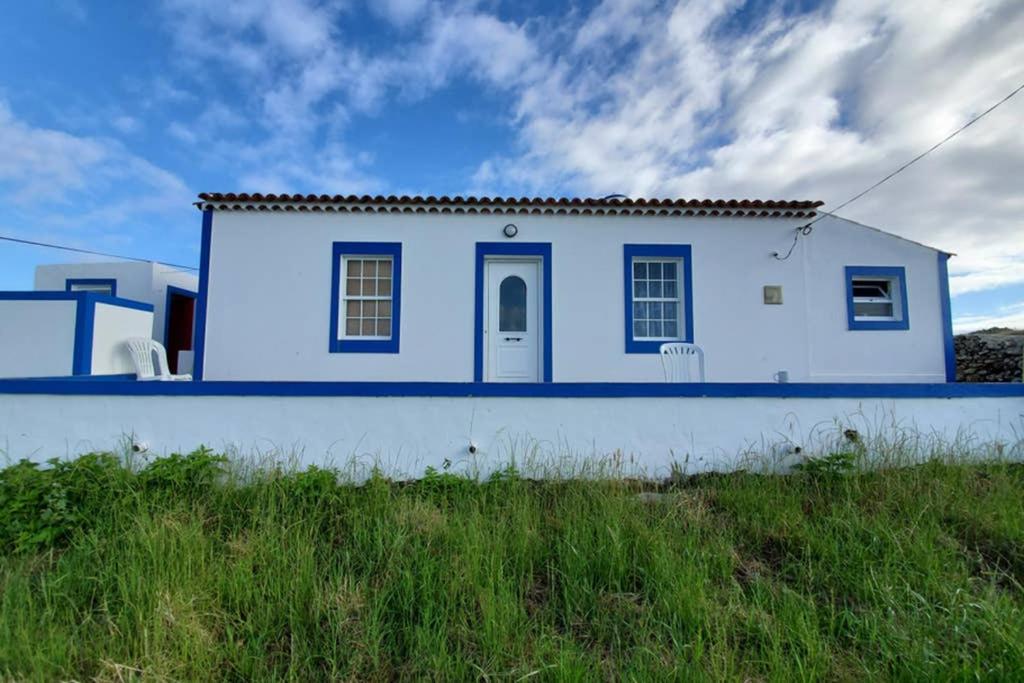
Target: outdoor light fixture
[{"x": 510, "y": 230}]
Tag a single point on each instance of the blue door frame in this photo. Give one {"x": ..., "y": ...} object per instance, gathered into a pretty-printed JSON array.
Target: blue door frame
[{"x": 490, "y": 249}]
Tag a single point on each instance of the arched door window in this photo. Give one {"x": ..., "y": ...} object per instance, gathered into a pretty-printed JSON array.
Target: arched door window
[{"x": 512, "y": 305}]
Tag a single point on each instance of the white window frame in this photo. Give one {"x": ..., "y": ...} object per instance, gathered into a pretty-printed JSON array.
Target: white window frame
[
  {"x": 677, "y": 300},
  {"x": 345, "y": 297}
]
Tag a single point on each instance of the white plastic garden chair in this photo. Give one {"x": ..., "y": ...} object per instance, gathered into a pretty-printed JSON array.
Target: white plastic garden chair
[
  {"x": 677, "y": 360},
  {"x": 143, "y": 351}
]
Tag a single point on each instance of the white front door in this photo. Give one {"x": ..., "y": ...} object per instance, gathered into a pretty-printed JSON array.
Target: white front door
[{"x": 512, "y": 334}]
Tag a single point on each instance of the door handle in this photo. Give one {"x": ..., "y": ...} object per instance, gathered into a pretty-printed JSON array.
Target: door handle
[{"x": 513, "y": 339}]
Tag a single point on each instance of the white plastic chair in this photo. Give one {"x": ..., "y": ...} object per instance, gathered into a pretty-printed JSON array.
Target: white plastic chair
[
  {"x": 676, "y": 359},
  {"x": 143, "y": 351}
]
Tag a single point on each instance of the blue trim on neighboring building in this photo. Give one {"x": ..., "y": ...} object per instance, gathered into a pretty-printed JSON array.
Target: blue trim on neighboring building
[
  {"x": 511, "y": 390},
  {"x": 485, "y": 249},
  {"x": 338, "y": 344},
  {"x": 91, "y": 281},
  {"x": 85, "y": 318},
  {"x": 180, "y": 291},
  {"x": 898, "y": 272},
  {"x": 199, "y": 346},
  {"x": 680, "y": 251},
  {"x": 947, "y": 317}
]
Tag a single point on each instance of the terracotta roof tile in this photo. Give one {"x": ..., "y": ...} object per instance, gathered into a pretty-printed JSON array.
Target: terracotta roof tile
[{"x": 766, "y": 208}]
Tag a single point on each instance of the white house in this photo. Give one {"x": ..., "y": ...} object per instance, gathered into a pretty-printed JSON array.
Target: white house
[
  {"x": 413, "y": 289},
  {"x": 171, "y": 293}
]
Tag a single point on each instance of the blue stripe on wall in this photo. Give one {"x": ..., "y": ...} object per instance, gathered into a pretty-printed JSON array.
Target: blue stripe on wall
[
  {"x": 199, "y": 360},
  {"x": 490, "y": 389},
  {"x": 947, "y": 317}
]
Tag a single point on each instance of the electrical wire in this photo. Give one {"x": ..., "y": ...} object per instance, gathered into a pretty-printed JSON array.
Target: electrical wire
[
  {"x": 94, "y": 253},
  {"x": 806, "y": 228}
]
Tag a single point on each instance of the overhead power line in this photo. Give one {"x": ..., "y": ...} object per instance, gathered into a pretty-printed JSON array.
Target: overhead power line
[
  {"x": 806, "y": 228},
  {"x": 94, "y": 253}
]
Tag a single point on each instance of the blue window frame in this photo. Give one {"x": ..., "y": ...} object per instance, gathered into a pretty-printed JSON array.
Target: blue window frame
[
  {"x": 658, "y": 286},
  {"x": 366, "y": 297},
  {"x": 100, "y": 285},
  {"x": 876, "y": 298}
]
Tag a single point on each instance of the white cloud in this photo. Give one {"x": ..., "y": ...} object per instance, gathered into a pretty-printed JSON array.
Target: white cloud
[
  {"x": 1008, "y": 316},
  {"x": 44, "y": 168}
]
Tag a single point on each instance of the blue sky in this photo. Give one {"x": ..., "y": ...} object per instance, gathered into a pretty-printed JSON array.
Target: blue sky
[{"x": 114, "y": 115}]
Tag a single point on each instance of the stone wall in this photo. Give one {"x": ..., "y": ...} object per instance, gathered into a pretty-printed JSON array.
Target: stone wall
[{"x": 989, "y": 356}]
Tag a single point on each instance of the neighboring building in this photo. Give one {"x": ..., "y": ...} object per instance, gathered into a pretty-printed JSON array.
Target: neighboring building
[
  {"x": 65, "y": 333},
  {"x": 401, "y": 289},
  {"x": 171, "y": 293}
]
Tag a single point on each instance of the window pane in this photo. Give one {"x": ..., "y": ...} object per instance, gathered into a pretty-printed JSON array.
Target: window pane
[
  {"x": 352, "y": 287},
  {"x": 370, "y": 269},
  {"x": 873, "y": 310},
  {"x": 669, "y": 311},
  {"x": 872, "y": 288},
  {"x": 352, "y": 328},
  {"x": 352, "y": 309},
  {"x": 639, "y": 270},
  {"x": 654, "y": 290},
  {"x": 369, "y": 309},
  {"x": 639, "y": 311},
  {"x": 384, "y": 268},
  {"x": 654, "y": 311},
  {"x": 668, "y": 271},
  {"x": 368, "y": 328},
  {"x": 639, "y": 328},
  {"x": 384, "y": 327},
  {"x": 654, "y": 271},
  {"x": 512, "y": 305},
  {"x": 671, "y": 330},
  {"x": 640, "y": 289},
  {"x": 670, "y": 289},
  {"x": 384, "y": 287},
  {"x": 384, "y": 308},
  {"x": 354, "y": 268},
  {"x": 654, "y": 329}
]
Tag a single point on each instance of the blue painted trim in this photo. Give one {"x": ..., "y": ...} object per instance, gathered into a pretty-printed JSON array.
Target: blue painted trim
[
  {"x": 199, "y": 346},
  {"x": 898, "y": 272},
  {"x": 680, "y": 251},
  {"x": 341, "y": 345},
  {"x": 84, "y": 378},
  {"x": 180, "y": 291},
  {"x": 91, "y": 281},
  {"x": 75, "y": 296},
  {"x": 85, "y": 318},
  {"x": 511, "y": 390},
  {"x": 485, "y": 249},
  {"x": 947, "y": 317}
]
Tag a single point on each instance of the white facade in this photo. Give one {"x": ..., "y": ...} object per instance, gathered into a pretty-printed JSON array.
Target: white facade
[
  {"x": 543, "y": 436},
  {"x": 112, "y": 326},
  {"x": 270, "y": 297},
  {"x": 146, "y": 282},
  {"x": 37, "y": 338}
]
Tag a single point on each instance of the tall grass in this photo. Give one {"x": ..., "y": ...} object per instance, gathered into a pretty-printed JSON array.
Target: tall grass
[{"x": 194, "y": 568}]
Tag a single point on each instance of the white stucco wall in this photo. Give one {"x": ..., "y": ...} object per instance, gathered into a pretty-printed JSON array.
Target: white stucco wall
[
  {"x": 404, "y": 435},
  {"x": 37, "y": 338},
  {"x": 112, "y": 327},
  {"x": 146, "y": 282},
  {"x": 270, "y": 293}
]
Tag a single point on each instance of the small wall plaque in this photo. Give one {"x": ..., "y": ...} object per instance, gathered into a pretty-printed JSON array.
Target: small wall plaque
[{"x": 773, "y": 294}]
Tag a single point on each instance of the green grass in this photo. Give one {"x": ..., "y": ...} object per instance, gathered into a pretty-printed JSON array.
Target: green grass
[{"x": 191, "y": 569}]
